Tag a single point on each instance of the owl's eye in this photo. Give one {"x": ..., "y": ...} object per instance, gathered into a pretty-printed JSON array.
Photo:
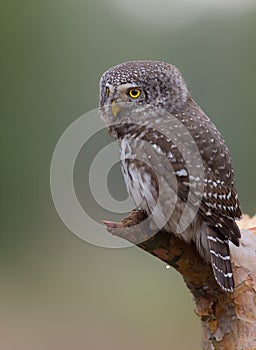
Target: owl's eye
[
  {"x": 134, "y": 92},
  {"x": 107, "y": 91}
]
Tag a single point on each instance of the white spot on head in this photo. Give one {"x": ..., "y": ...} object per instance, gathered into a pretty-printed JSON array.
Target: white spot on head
[{"x": 222, "y": 167}]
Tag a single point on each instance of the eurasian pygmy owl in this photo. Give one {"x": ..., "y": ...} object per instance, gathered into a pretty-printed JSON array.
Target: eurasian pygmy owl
[{"x": 175, "y": 163}]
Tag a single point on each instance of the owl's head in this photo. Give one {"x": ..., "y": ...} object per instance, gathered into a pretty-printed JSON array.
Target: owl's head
[{"x": 141, "y": 83}]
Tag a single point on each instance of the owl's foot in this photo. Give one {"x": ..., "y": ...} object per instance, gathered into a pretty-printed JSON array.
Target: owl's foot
[
  {"x": 136, "y": 216},
  {"x": 112, "y": 224},
  {"x": 130, "y": 228}
]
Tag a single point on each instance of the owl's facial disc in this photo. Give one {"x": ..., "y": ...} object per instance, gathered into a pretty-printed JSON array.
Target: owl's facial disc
[
  {"x": 118, "y": 96},
  {"x": 160, "y": 84}
]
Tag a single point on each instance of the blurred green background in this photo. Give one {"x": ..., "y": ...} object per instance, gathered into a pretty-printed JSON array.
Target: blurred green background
[{"x": 58, "y": 292}]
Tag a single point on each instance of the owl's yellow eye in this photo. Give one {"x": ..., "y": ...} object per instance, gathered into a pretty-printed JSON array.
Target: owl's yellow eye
[
  {"x": 134, "y": 92},
  {"x": 107, "y": 91}
]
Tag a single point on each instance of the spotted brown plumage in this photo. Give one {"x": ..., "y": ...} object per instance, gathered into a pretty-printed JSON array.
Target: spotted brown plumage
[{"x": 174, "y": 160}]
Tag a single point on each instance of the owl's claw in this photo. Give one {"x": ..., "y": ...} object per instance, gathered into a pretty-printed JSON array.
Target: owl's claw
[
  {"x": 129, "y": 228},
  {"x": 135, "y": 217},
  {"x": 112, "y": 224}
]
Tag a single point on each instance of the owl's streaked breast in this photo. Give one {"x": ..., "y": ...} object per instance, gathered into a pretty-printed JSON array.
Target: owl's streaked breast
[
  {"x": 148, "y": 186},
  {"x": 139, "y": 182}
]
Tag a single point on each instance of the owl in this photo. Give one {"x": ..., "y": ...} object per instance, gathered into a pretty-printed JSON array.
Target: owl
[{"x": 175, "y": 163}]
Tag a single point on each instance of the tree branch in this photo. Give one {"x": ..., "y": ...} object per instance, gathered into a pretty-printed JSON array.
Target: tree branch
[{"x": 228, "y": 319}]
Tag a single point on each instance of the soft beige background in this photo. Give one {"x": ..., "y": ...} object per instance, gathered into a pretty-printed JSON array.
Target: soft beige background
[{"x": 56, "y": 291}]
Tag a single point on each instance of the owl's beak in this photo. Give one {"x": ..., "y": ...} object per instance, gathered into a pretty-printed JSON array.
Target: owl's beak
[{"x": 115, "y": 108}]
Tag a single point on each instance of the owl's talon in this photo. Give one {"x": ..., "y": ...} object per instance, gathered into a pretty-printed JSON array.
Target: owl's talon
[{"x": 112, "y": 224}]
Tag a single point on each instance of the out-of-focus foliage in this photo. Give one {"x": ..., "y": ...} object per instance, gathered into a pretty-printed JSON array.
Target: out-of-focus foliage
[{"x": 58, "y": 292}]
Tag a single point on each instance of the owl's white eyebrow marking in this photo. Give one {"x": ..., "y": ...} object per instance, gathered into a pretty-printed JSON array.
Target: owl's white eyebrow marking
[{"x": 128, "y": 85}]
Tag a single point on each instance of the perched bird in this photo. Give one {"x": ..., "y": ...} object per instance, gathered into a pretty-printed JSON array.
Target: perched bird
[{"x": 175, "y": 163}]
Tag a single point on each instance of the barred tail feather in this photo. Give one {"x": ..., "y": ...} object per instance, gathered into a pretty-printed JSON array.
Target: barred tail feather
[{"x": 220, "y": 260}]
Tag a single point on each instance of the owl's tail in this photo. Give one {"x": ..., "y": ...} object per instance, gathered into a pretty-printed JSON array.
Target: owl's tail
[{"x": 220, "y": 259}]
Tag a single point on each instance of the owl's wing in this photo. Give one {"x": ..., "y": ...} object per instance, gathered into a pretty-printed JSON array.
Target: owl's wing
[
  {"x": 219, "y": 202},
  {"x": 220, "y": 206},
  {"x": 221, "y": 199}
]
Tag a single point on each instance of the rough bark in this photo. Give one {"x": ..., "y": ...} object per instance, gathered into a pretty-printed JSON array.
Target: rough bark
[{"x": 228, "y": 319}]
